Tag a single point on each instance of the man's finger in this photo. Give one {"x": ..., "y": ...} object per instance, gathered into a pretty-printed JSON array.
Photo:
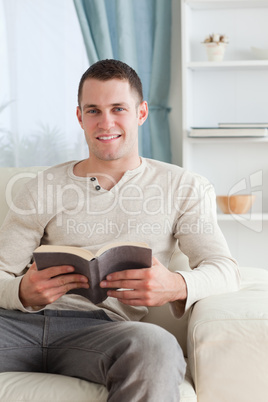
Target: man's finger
[
  {"x": 129, "y": 274},
  {"x": 55, "y": 271}
]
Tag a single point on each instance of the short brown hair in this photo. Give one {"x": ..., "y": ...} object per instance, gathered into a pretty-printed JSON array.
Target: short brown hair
[{"x": 109, "y": 69}]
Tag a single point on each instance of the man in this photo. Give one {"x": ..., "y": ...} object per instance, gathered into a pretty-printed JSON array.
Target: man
[{"x": 114, "y": 195}]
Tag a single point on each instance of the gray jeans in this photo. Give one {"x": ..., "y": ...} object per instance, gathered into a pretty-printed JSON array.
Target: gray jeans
[{"x": 135, "y": 361}]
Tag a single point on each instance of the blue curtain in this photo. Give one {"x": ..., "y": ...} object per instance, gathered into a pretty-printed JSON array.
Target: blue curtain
[{"x": 137, "y": 32}]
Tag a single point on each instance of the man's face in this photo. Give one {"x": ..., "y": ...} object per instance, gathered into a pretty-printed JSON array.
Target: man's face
[{"x": 110, "y": 114}]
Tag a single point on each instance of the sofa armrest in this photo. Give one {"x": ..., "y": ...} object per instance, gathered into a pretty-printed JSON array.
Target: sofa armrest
[{"x": 228, "y": 342}]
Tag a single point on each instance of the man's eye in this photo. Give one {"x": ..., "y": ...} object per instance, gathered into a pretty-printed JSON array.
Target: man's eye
[
  {"x": 92, "y": 111},
  {"x": 119, "y": 109}
]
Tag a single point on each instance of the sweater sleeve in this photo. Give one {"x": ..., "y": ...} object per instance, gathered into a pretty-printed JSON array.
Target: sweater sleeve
[
  {"x": 20, "y": 234},
  {"x": 213, "y": 270}
]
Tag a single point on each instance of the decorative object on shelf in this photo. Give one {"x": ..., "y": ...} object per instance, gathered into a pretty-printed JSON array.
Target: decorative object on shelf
[
  {"x": 215, "y": 46},
  {"x": 260, "y": 53},
  {"x": 235, "y": 204}
]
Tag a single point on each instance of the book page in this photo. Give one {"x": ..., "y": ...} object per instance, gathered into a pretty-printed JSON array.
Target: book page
[{"x": 81, "y": 252}]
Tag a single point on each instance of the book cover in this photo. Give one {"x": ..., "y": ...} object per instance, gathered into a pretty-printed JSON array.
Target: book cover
[{"x": 111, "y": 258}]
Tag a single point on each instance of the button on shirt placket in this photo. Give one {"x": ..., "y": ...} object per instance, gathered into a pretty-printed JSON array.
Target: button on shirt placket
[{"x": 97, "y": 187}]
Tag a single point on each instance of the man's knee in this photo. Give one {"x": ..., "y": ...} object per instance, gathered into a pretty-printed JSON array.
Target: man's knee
[
  {"x": 156, "y": 344},
  {"x": 148, "y": 356}
]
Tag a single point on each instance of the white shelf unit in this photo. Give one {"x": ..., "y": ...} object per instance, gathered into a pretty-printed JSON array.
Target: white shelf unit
[
  {"x": 257, "y": 217},
  {"x": 228, "y": 140},
  {"x": 225, "y": 4},
  {"x": 228, "y": 65},
  {"x": 232, "y": 91}
]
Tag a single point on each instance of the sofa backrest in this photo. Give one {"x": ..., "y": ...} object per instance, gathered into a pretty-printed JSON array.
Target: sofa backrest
[{"x": 11, "y": 180}]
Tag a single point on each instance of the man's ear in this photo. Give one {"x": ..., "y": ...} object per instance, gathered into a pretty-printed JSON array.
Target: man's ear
[
  {"x": 142, "y": 112},
  {"x": 79, "y": 116}
]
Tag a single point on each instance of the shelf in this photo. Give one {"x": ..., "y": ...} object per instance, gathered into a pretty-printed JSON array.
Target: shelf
[
  {"x": 225, "y": 4},
  {"x": 243, "y": 217},
  {"x": 227, "y": 65},
  {"x": 218, "y": 140}
]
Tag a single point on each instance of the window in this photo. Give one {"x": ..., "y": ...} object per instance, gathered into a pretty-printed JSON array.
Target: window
[{"x": 42, "y": 55}]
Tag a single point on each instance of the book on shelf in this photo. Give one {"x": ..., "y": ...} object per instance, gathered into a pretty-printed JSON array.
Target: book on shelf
[
  {"x": 227, "y": 132},
  {"x": 110, "y": 258},
  {"x": 243, "y": 125}
]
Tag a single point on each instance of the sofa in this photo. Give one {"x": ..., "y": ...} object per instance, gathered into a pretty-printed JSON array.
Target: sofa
[{"x": 224, "y": 339}]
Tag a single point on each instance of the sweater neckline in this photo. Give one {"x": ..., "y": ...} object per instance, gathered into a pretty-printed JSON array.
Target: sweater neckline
[{"x": 94, "y": 181}]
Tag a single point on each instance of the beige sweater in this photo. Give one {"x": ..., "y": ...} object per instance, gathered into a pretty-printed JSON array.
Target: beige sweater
[{"x": 157, "y": 203}]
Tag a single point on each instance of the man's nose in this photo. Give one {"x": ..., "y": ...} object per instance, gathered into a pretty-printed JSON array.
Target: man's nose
[{"x": 106, "y": 121}]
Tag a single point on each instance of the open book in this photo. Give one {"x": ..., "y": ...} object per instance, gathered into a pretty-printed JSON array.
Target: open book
[{"x": 110, "y": 258}]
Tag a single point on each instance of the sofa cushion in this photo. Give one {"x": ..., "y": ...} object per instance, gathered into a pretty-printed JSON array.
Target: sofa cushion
[{"x": 33, "y": 387}]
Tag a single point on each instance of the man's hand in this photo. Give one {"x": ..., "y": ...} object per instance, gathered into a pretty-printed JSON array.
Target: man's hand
[
  {"x": 38, "y": 288},
  {"x": 153, "y": 286}
]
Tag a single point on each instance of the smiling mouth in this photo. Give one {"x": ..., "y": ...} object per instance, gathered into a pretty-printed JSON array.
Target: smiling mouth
[{"x": 108, "y": 137}]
